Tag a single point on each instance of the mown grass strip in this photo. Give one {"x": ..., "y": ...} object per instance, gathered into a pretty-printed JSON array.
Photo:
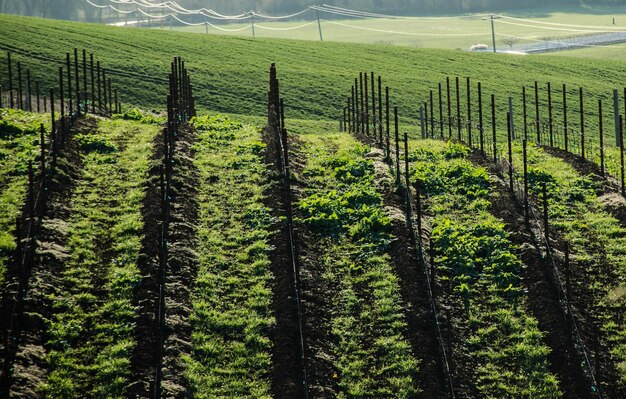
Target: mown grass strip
[
  {"x": 232, "y": 317},
  {"x": 341, "y": 206},
  {"x": 91, "y": 333},
  {"x": 19, "y": 144},
  {"x": 477, "y": 263},
  {"x": 597, "y": 240}
]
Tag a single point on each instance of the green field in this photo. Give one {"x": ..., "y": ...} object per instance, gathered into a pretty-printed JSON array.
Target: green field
[{"x": 316, "y": 76}]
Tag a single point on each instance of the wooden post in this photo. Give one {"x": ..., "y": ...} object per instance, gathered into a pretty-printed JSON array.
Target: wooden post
[
  {"x": 458, "y": 108},
  {"x": 432, "y": 115},
  {"x": 440, "y": 110},
  {"x": 367, "y": 106},
  {"x": 20, "y": 98},
  {"x": 380, "y": 109},
  {"x": 550, "y": 124},
  {"x": 601, "y": 131},
  {"x": 493, "y": 127},
  {"x": 469, "y": 113},
  {"x": 480, "y": 119},
  {"x": 68, "y": 65},
  {"x": 357, "y": 110},
  {"x": 395, "y": 117},
  {"x": 565, "y": 117},
  {"x": 510, "y": 148},
  {"x": 526, "y": 207},
  {"x": 582, "y": 123},
  {"x": 10, "y": 65},
  {"x": 525, "y": 111},
  {"x": 93, "y": 84},
  {"x": 373, "y": 84},
  {"x": 449, "y": 101}
]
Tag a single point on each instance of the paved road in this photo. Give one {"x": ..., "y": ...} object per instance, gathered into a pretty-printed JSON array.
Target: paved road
[{"x": 572, "y": 43}]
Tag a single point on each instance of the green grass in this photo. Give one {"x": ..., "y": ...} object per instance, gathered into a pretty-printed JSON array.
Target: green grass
[
  {"x": 598, "y": 242},
  {"x": 19, "y": 144},
  {"x": 477, "y": 266},
  {"x": 230, "y": 74},
  {"x": 341, "y": 206},
  {"x": 91, "y": 335},
  {"x": 232, "y": 316}
]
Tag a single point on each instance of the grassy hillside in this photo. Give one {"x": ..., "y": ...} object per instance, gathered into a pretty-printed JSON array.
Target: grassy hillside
[{"x": 230, "y": 73}]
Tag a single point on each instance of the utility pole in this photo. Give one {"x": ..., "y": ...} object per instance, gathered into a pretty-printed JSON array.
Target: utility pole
[
  {"x": 252, "y": 23},
  {"x": 319, "y": 25},
  {"x": 493, "y": 34}
]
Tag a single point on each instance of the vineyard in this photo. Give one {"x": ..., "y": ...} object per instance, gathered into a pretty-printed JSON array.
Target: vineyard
[{"x": 454, "y": 238}]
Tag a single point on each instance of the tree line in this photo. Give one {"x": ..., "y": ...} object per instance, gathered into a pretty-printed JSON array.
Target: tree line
[{"x": 81, "y": 10}]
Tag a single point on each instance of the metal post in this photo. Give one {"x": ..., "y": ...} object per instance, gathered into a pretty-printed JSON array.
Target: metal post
[
  {"x": 349, "y": 109},
  {"x": 20, "y": 98},
  {"x": 422, "y": 123},
  {"x": 449, "y": 101},
  {"x": 621, "y": 151},
  {"x": 10, "y": 65},
  {"x": 493, "y": 127},
  {"x": 93, "y": 84},
  {"x": 525, "y": 110},
  {"x": 38, "y": 94},
  {"x": 361, "y": 102},
  {"x": 52, "y": 131},
  {"x": 511, "y": 118},
  {"x": 480, "y": 119},
  {"x": 29, "y": 96},
  {"x": 85, "y": 107},
  {"x": 426, "y": 119},
  {"x": 550, "y": 114},
  {"x": 380, "y": 109},
  {"x": 406, "y": 175},
  {"x": 440, "y": 110},
  {"x": 432, "y": 115},
  {"x": 418, "y": 205},
  {"x": 62, "y": 106},
  {"x": 395, "y": 117},
  {"x": 582, "y": 123},
  {"x": 77, "y": 80},
  {"x": 99, "y": 72},
  {"x": 526, "y": 207},
  {"x": 546, "y": 226},
  {"x": 357, "y": 117},
  {"x": 565, "y": 117},
  {"x": 469, "y": 112},
  {"x": 537, "y": 120},
  {"x": 458, "y": 107},
  {"x": 601, "y": 130},
  {"x": 42, "y": 150},
  {"x": 616, "y": 116},
  {"x": 373, "y": 84},
  {"x": 510, "y": 148},
  {"x": 68, "y": 65},
  {"x": 367, "y": 105},
  {"x": 387, "y": 121},
  {"x": 105, "y": 96}
]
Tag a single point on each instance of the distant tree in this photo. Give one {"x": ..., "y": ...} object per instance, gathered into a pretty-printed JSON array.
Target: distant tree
[{"x": 511, "y": 41}]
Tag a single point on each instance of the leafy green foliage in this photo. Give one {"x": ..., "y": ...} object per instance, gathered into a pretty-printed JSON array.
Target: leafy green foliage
[
  {"x": 135, "y": 115},
  {"x": 91, "y": 334},
  {"x": 475, "y": 257},
  {"x": 232, "y": 316},
  {"x": 342, "y": 206}
]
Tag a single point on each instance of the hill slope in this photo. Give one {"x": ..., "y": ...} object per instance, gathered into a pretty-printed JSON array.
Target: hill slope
[{"x": 230, "y": 73}]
